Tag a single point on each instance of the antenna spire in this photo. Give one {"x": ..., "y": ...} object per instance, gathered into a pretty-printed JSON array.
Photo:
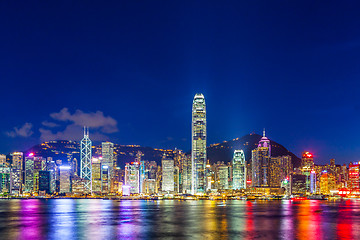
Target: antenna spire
[{"x": 264, "y": 132}]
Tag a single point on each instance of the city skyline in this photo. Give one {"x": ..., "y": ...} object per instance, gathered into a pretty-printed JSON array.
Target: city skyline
[
  {"x": 273, "y": 65},
  {"x": 179, "y": 119}
]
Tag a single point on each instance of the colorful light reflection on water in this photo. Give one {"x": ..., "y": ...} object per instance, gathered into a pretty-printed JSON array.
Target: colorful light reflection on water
[{"x": 106, "y": 219}]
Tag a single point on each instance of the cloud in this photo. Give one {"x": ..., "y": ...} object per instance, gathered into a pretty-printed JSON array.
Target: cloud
[
  {"x": 24, "y": 131},
  {"x": 99, "y": 125},
  {"x": 92, "y": 119},
  {"x": 50, "y": 124}
]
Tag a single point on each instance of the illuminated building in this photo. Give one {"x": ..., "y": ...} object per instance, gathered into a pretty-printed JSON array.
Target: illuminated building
[
  {"x": 275, "y": 173},
  {"x": 2, "y": 160},
  {"x": 65, "y": 181},
  {"x": 152, "y": 170},
  {"x": 150, "y": 186},
  {"x": 327, "y": 182},
  {"x": 16, "y": 172},
  {"x": 44, "y": 181},
  {"x": 5, "y": 179},
  {"x": 85, "y": 160},
  {"x": 29, "y": 173},
  {"x": 176, "y": 179},
  {"x": 53, "y": 169},
  {"x": 16, "y": 176},
  {"x": 179, "y": 158},
  {"x": 115, "y": 181},
  {"x": 223, "y": 173},
  {"x": 158, "y": 179},
  {"x": 332, "y": 162},
  {"x": 39, "y": 165},
  {"x": 249, "y": 174},
  {"x": 105, "y": 179},
  {"x": 344, "y": 174},
  {"x": 96, "y": 175},
  {"x": 78, "y": 185},
  {"x": 312, "y": 182},
  {"x": 140, "y": 164},
  {"x": 198, "y": 149},
  {"x": 108, "y": 154},
  {"x": 307, "y": 160},
  {"x": 298, "y": 184},
  {"x": 167, "y": 175},
  {"x": 307, "y": 164},
  {"x": 209, "y": 176},
  {"x": 239, "y": 170},
  {"x": 286, "y": 166},
  {"x": 132, "y": 177},
  {"x": 142, "y": 176},
  {"x": 126, "y": 190},
  {"x": 17, "y": 160},
  {"x": 230, "y": 174},
  {"x": 74, "y": 167},
  {"x": 353, "y": 182},
  {"x": 286, "y": 184},
  {"x": 186, "y": 174},
  {"x": 260, "y": 163}
]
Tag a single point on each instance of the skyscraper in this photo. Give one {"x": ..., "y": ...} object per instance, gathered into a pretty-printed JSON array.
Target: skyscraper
[
  {"x": 85, "y": 160},
  {"x": 29, "y": 173},
  {"x": 307, "y": 164},
  {"x": 96, "y": 175},
  {"x": 105, "y": 179},
  {"x": 223, "y": 175},
  {"x": 198, "y": 149},
  {"x": 65, "y": 181},
  {"x": 132, "y": 177},
  {"x": 186, "y": 174},
  {"x": 108, "y": 154},
  {"x": 167, "y": 175},
  {"x": 239, "y": 170},
  {"x": 16, "y": 171},
  {"x": 260, "y": 163}
]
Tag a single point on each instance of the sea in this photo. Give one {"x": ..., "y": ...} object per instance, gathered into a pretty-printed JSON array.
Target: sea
[{"x": 178, "y": 219}]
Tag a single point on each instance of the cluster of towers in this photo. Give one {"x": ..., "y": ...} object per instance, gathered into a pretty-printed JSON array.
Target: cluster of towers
[{"x": 178, "y": 173}]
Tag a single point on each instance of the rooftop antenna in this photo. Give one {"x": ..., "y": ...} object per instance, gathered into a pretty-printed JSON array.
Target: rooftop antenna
[{"x": 264, "y": 132}]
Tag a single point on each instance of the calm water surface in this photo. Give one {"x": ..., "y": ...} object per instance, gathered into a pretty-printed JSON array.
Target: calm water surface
[{"x": 106, "y": 219}]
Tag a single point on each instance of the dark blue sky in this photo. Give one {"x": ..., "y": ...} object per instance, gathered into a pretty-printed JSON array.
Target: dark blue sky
[{"x": 131, "y": 69}]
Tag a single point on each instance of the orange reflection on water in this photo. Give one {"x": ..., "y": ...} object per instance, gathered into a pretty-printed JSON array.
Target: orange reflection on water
[
  {"x": 309, "y": 220},
  {"x": 215, "y": 220}
]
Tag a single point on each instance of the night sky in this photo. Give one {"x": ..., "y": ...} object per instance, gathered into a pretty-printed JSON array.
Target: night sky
[{"x": 130, "y": 70}]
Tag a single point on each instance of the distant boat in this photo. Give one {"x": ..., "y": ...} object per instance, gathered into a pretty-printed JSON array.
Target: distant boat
[{"x": 316, "y": 197}]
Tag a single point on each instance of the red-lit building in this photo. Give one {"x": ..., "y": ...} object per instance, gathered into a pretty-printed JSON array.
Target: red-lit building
[
  {"x": 307, "y": 160},
  {"x": 353, "y": 182}
]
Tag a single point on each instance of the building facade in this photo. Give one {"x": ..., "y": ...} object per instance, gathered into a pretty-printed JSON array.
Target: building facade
[{"x": 198, "y": 149}]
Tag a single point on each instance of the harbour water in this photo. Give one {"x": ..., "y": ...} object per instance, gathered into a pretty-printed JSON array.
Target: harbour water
[{"x": 172, "y": 219}]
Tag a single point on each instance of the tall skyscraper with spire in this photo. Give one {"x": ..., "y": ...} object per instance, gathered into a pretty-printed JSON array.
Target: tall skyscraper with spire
[
  {"x": 198, "y": 149},
  {"x": 260, "y": 163},
  {"x": 85, "y": 160}
]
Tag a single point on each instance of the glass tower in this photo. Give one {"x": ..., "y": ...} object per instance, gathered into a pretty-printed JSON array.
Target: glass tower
[
  {"x": 85, "y": 160},
  {"x": 198, "y": 149},
  {"x": 108, "y": 154},
  {"x": 239, "y": 170}
]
